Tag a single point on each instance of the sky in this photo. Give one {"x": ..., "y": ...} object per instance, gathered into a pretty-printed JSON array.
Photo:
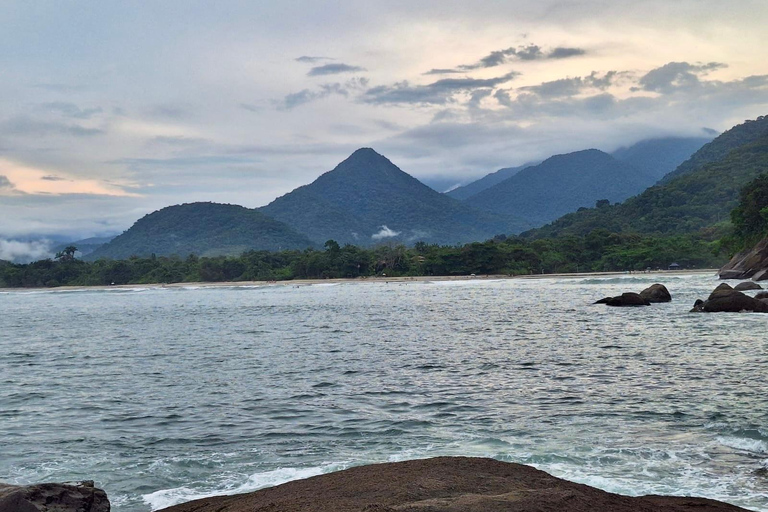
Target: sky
[{"x": 111, "y": 110}]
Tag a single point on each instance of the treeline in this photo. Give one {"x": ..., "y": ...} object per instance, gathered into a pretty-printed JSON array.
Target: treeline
[{"x": 600, "y": 250}]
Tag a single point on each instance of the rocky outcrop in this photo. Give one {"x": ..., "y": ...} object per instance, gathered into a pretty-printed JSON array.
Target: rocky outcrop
[
  {"x": 725, "y": 299},
  {"x": 81, "y": 497},
  {"x": 443, "y": 484},
  {"x": 652, "y": 294},
  {"x": 656, "y": 293},
  {"x": 747, "y": 285},
  {"x": 751, "y": 264},
  {"x": 628, "y": 299}
]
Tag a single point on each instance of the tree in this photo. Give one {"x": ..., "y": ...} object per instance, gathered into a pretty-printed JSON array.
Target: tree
[{"x": 68, "y": 254}]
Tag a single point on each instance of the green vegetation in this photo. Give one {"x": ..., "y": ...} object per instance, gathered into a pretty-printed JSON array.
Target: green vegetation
[
  {"x": 750, "y": 217},
  {"x": 351, "y": 203},
  {"x": 598, "y": 251},
  {"x": 562, "y": 184},
  {"x": 700, "y": 200},
  {"x": 745, "y": 133},
  {"x": 204, "y": 229}
]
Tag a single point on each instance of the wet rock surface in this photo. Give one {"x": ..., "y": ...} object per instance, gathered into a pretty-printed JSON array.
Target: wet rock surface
[
  {"x": 750, "y": 264},
  {"x": 653, "y": 294},
  {"x": 53, "y": 497},
  {"x": 725, "y": 299},
  {"x": 443, "y": 484}
]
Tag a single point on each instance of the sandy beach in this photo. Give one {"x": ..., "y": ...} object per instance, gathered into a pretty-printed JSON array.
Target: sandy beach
[{"x": 379, "y": 279}]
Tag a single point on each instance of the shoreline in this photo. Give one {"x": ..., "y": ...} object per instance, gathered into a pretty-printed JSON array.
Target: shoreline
[{"x": 373, "y": 279}]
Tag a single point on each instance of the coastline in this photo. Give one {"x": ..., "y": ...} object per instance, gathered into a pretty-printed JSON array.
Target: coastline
[{"x": 375, "y": 279}]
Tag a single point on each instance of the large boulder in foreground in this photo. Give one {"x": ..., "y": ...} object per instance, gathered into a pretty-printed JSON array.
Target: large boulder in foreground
[
  {"x": 82, "y": 497},
  {"x": 443, "y": 484},
  {"x": 656, "y": 293},
  {"x": 725, "y": 299},
  {"x": 751, "y": 264}
]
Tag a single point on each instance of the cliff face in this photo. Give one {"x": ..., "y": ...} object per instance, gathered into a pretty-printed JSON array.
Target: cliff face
[
  {"x": 751, "y": 264},
  {"x": 443, "y": 484}
]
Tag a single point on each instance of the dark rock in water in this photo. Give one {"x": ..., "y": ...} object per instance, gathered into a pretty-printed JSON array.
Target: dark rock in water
[
  {"x": 748, "y": 264},
  {"x": 656, "y": 293},
  {"x": 761, "y": 295},
  {"x": 82, "y": 497},
  {"x": 444, "y": 484},
  {"x": 726, "y": 299},
  {"x": 747, "y": 285},
  {"x": 722, "y": 289},
  {"x": 628, "y": 299}
]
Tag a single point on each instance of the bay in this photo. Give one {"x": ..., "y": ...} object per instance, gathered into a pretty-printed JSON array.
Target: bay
[{"x": 163, "y": 395}]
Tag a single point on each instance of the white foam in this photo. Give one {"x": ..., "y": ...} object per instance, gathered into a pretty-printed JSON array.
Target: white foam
[
  {"x": 745, "y": 444},
  {"x": 168, "y": 497}
]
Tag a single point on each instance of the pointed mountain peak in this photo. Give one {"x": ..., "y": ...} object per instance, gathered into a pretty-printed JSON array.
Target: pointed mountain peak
[{"x": 365, "y": 162}]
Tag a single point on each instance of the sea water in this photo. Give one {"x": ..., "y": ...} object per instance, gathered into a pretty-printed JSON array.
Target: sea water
[{"x": 164, "y": 395}]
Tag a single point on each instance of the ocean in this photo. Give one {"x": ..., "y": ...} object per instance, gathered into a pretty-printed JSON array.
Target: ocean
[{"x": 164, "y": 395}]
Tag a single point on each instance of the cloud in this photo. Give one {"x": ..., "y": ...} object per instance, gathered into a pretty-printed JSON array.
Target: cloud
[
  {"x": 440, "y": 92},
  {"x": 333, "y": 69},
  {"x": 439, "y": 71},
  {"x": 385, "y": 232},
  {"x": 71, "y": 110},
  {"x": 564, "y": 53},
  {"x": 675, "y": 76},
  {"x": 296, "y": 99},
  {"x": 311, "y": 60},
  {"x": 572, "y": 86},
  {"x": 5, "y": 182},
  {"x": 33, "y": 181},
  {"x": 520, "y": 53},
  {"x": 26, "y": 126},
  {"x": 23, "y": 252}
]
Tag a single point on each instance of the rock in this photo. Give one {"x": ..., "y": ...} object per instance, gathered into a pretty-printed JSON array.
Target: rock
[
  {"x": 726, "y": 299},
  {"x": 656, "y": 293},
  {"x": 748, "y": 264},
  {"x": 82, "y": 497},
  {"x": 761, "y": 295},
  {"x": 443, "y": 484},
  {"x": 628, "y": 299},
  {"x": 747, "y": 285}
]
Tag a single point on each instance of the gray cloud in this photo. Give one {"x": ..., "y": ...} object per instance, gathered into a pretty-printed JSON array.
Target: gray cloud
[
  {"x": 26, "y": 126},
  {"x": 437, "y": 93},
  {"x": 675, "y": 76},
  {"x": 572, "y": 86},
  {"x": 323, "y": 91},
  {"x": 311, "y": 60},
  {"x": 333, "y": 69},
  {"x": 439, "y": 71},
  {"x": 52, "y": 177},
  {"x": 23, "y": 252},
  {"x": 71, "y": 110},
  {"x": 521, "y": 53},
  {"x": 5, "y": 183},
  {"x": 564, "y": 53}
]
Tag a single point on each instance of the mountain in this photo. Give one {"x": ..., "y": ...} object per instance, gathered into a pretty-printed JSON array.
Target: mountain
[
  {"x": 687, "y": 202},
  {"x": 367, "y": 199},
  {"x": 562, "y": 184},
  {"x": 204, "y": 229},
  {"x": 486, "y": 182},
  {"x": 659, "y": 157},
  {"x": 748, "y": 131}
]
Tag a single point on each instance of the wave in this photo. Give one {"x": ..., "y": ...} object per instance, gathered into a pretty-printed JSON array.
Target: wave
[
  {"x": 745, "y": 444},
  {"x": 168, "y": 497}
]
